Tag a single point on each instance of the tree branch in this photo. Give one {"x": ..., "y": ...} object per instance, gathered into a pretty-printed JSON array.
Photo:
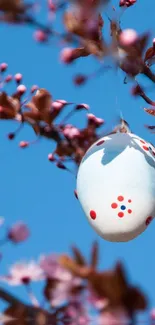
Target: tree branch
[
  {"x": 140, "y": 92},
  {"x": 148, "y": 73},
  {"x": 6, "y": 296}
]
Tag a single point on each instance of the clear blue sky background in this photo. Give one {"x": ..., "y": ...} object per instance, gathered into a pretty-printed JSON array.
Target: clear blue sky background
[{"x": 34, "y": 190}]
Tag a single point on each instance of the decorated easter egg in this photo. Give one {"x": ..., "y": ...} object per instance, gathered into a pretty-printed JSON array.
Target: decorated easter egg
[{"x": 116, "y": 186}]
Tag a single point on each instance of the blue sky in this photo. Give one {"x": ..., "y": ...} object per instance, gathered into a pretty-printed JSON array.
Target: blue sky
[{"x": 35, "y": 191}]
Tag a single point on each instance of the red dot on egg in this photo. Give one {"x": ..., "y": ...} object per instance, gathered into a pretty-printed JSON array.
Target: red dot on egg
[
  {"x": 100, "y": 142},
  {"x": 148, "y": 220},
  {"x": 129, "y": 201},
  {"x": 129, "y": 211},
  {"x": 121, "y": 214},
  {"x": 142, "y": 141},
  {"x": 114, "y": 205},
  {"x": 146, "y": 148},
  {"x": 120, "y": 198},
  {"x": 93, "y": 214}
]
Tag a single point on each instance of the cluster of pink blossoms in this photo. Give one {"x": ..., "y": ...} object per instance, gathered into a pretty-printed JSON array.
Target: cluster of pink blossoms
[{"x": 74, "y": 291}]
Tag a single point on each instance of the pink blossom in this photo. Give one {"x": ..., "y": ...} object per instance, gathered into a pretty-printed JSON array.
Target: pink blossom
[
  {"x": 88, "y": 9},
  {"x": 62, "y": 101},
  {"x": 3, "y": 67},
  {"x": 5, "y": 319},
  {"x": 128, "y": 37},
  {"x": 23, "y": 273},
  {"x": 115, "y": 317},
  {"x": 40, "y": 36},
  {"x": 18, "y": 77},
  {"x": 51, "y": 5},
  {"x": 127, "y": 3},
  {"x": 18, "y": 233},
  {"x": 18, "y": 118},
  {"x": 71, "y": 132},
  {"x": 61, "y": 294},
  {"x": 23, "y": 144},
  {"x": 77, "y": 314},
  {"x": 34, "y": 88},
  {"x": 152, "y": 314},
  {"x": 58, "y": 105},
  {"x": 8, "y": 78},
  {"x": 53, "y": 270},
  {"x": 67, "y": 55},
  {"x": 153, "y": 43},
  {"x": 68, "y": 126},
  {"x": 63, "y": 291},
  {"x": 21, "y": 89},
  {"x": 95, "y": 301},
  {"x": 98, "y": 121},
  {"x": 51, "y": 157}
]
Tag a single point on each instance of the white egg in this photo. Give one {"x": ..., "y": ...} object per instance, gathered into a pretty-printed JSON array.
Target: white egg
[{"x": 116, "y": 186}]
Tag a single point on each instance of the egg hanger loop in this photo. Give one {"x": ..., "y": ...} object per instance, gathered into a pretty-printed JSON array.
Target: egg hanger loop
[{"x": 123, "y": 127}]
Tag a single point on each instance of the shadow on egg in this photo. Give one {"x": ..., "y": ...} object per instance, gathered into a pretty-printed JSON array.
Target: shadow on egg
[
  {"x": 109, "y": 154},
  {"x": 148, "y": 158},
  {"x": 106, "y": 146}
]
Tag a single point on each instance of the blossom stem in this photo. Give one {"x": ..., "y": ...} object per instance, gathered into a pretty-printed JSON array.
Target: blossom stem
[
  {"x": 18, "y": 129},
  {"x": 46, "y": 29},
  {"x": 31, "y": 295},
  {"x": 70, "y": 114}
]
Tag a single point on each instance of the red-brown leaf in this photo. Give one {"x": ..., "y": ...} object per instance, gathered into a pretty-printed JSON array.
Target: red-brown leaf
[
  {"x": 135, "y": 300},
  {"x": 150, "y": 111},
  {"x": 94, "y": 255},
  {"x": 78, "y": 257},
  {"x": 149, "y": 54}
]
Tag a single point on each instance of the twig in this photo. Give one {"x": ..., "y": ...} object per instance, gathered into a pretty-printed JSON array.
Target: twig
[
  {"x": 49, "y": 31},
  {"x": 141, "y": 93},
  {"x": 148, "y": 73}
]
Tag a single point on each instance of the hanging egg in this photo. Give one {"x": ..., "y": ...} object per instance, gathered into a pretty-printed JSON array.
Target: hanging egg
[{"x": 116, "y": 186}]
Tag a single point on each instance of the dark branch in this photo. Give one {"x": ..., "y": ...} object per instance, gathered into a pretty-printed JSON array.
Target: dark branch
[
  {"x": 148, "y": 73},
  {"x": 7, "y": 297}
]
